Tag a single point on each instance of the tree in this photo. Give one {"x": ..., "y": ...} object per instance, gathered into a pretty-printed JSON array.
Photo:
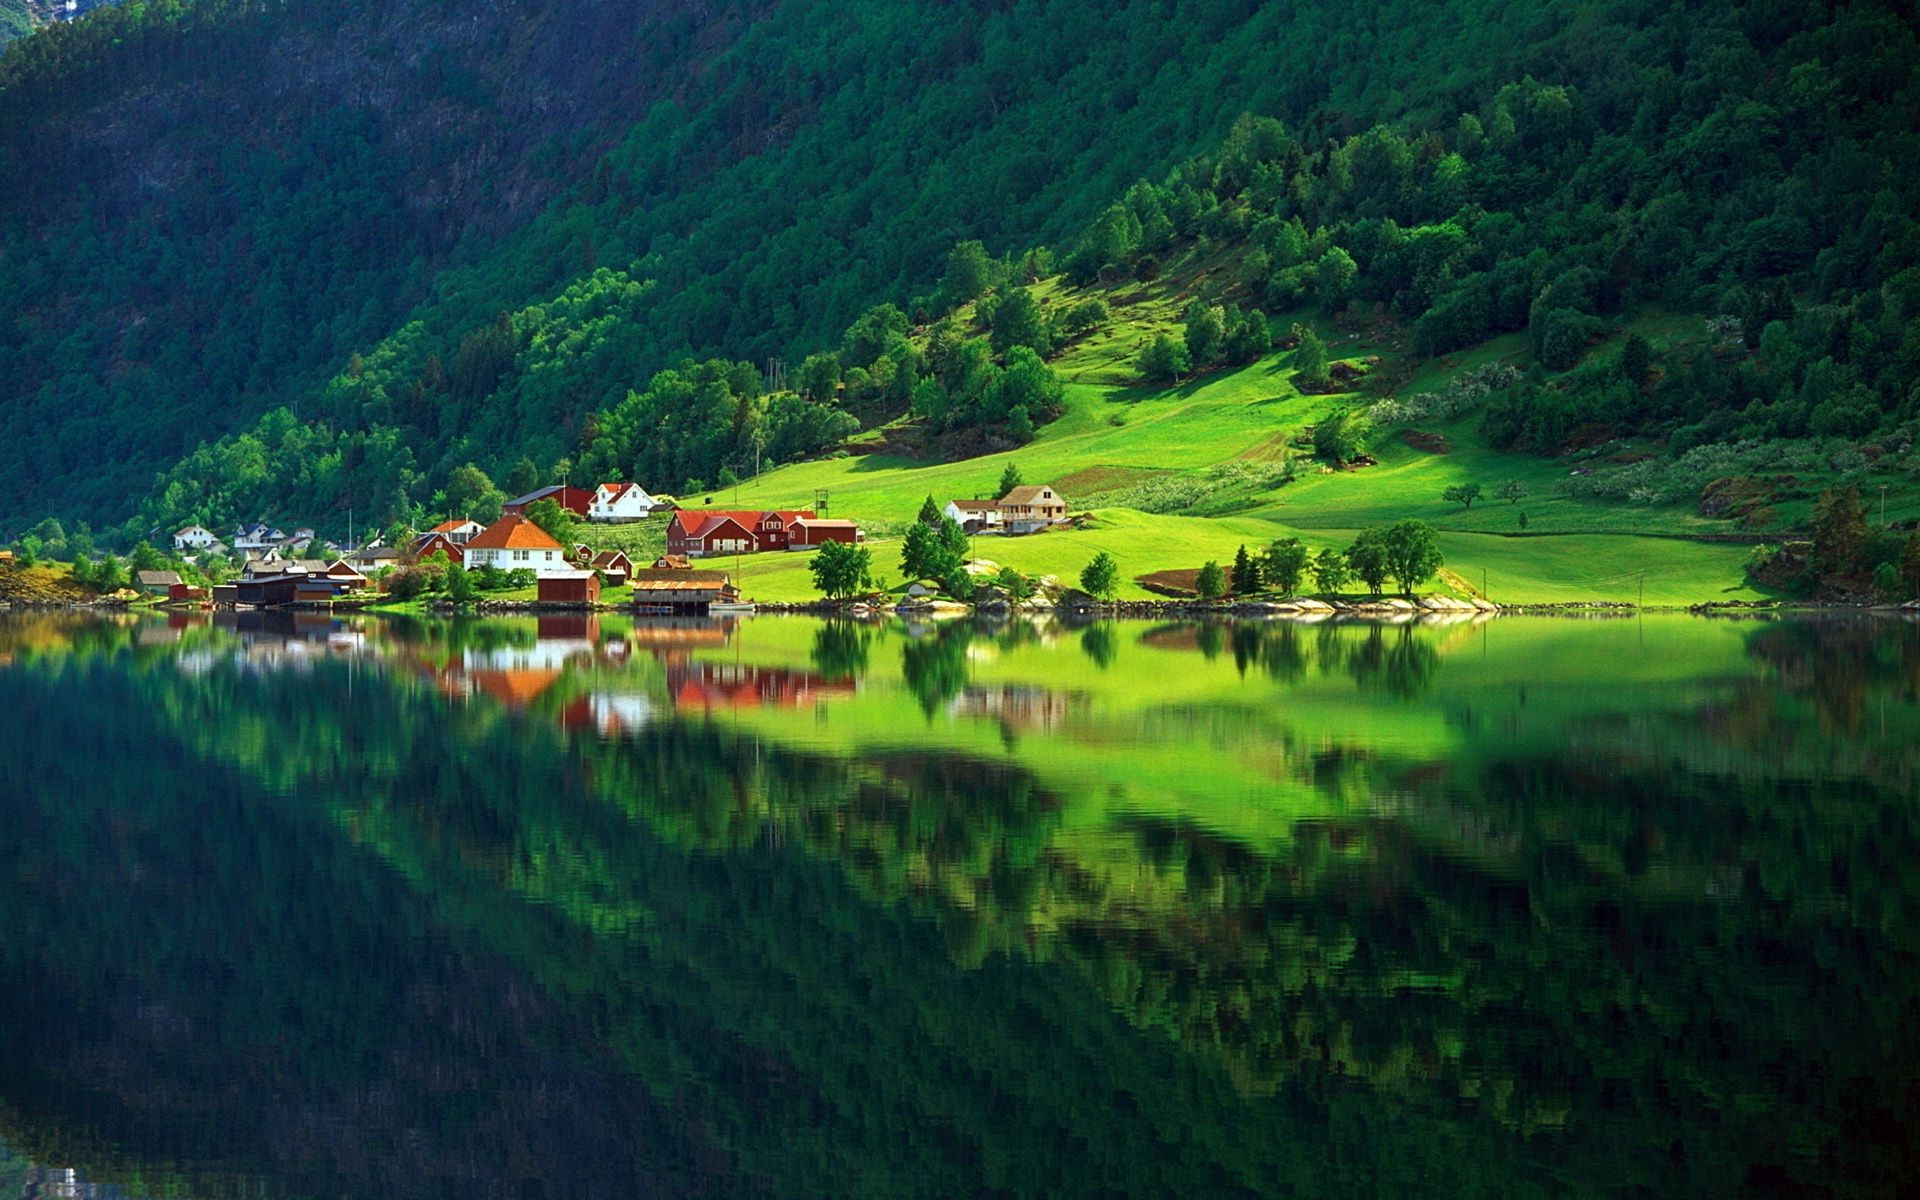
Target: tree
[
  {"x": 1512, "y": 491},
  {"x": 839, "y": 569},
  {"x": 1367, "y": 558},
  {"x": 472, "y": 493},
  {"x": 1286, "y": 562},
  {"x": 1009, "y": 479},
  {"x": 1309, "y": 358},
  {"x": 1342, "y": 436},
  {"x": 819, "y": 379},
  {"x": 523, "y": 478},
  {"x": 560, "y": 523},
  {"x": 1333, "y": 278},
  {"x": 1211, "y": 583},
  {"x": 1909, "y": 565},
  {"x": 1248, "y": 338},
  {"x": 1839, "y": 531},
  {"x": 1018, "y": 321},
  {"x": 1017, "y": 586},
  {"x": 460, "y": 586},
  {"x": 1413, "y": 553},
  {"x": 1206, "y": 333},
  {"x": 1463, "y": 494},
  {"x": 1246, "y": 573},
  {"x": 1100, "y": 577},
  {"x": 959, "y": 585},
  {"x": 1330, "y": 571},
  {"x": 1165, "y": 360},
  {"x": 970, "y": 271},
  {"x": 1636, "y": 359},
  {"x": 924, "y": 554},
  {"x": 929, "y": 512}
]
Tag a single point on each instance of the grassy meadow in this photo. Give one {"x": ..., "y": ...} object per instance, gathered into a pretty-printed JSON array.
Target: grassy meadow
[{"x": 1174, "y": 477}]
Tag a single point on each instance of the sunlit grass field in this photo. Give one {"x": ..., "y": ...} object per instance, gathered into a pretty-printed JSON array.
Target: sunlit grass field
[{"x": 1228, "y": 432}]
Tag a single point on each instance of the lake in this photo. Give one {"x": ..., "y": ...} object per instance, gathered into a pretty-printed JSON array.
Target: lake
[{"x": 595, "y": 906}]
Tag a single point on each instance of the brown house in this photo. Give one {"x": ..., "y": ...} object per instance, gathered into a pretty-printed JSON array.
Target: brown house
[
  {"x": 614, "y": 564},
  {"x": 570, "y": 587},
  {"x": 682, "y": 591},
  {"x": 1032, "y": 506}
]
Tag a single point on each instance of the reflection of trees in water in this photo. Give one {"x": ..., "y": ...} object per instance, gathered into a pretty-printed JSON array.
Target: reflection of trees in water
[
  {"x": 1399, "y": 662},
  {"x": 840, "y": 649},
  {"x": 1100, "y": 643},
  {"x": 1614, "y": 954},
  {"x": 1838, "y": 663},
  {"x": 935, "y": 667}
]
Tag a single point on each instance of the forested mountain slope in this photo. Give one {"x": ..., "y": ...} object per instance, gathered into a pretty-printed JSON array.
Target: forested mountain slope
[{"x": 440, "y": 235}]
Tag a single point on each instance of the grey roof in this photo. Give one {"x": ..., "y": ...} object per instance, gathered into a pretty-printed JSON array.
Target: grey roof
[{"x": 158, "y": 578}]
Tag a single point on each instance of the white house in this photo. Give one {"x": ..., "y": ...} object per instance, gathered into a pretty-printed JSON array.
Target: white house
[
  {"x": 514, "y": 543},
  {"x": 617, "y": 503},
  {"x": 974, "y": 515},
  {"x": 194, "y": 537}
]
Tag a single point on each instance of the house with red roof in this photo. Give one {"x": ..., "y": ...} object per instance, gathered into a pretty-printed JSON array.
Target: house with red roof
[
  {"x": 621, "y": 503},
  {"x": 514, "y": 543},
  {"x": 697, "y": 533},
  {"x": 459, "y": 530}
]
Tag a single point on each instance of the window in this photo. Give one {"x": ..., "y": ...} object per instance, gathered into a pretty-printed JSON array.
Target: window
[{"x": 519, "y": 556}]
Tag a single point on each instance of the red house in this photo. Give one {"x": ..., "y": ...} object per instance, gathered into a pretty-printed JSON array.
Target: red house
[
  {"x": 817, "y": 531},
  {"x": 573, "y": 499},
  {"x": 698, "y": 533}
]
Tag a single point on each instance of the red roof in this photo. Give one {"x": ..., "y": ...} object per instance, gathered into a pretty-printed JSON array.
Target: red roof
[
  {"x": 616, "y": 490},
  {"x": 696, "y": 523},
  {"x": 512, "y": 533}
]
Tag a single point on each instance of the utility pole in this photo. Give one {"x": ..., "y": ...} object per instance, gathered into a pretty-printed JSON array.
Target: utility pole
[{"x": 1643, "y": 588}]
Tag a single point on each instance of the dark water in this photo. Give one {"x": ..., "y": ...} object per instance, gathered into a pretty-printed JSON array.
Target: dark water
[{"x": 581, "y": 907}]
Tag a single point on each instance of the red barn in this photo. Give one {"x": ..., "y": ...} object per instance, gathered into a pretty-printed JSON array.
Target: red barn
[
  {"x": 815, "y": 531},
  {"x": 570, "y": 587},
  {"x": 697, "y": 533},
  {"x": 575, "y": 500}
]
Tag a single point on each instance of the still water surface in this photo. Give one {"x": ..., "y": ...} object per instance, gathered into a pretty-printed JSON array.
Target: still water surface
[{"x": 590, "y": 907}]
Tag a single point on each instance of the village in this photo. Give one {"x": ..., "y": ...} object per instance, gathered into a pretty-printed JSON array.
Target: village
[{"x": 517, "y": 552}]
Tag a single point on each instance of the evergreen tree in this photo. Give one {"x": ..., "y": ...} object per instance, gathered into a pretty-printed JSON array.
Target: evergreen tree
[
  {"x": 1100, "y": 577},
  {"x": 1839, "y": 532},
  {"x": 1009, "y": 479},
  {"x": 523, "y": 478},
  {"x": 1018, "y": 321},
  {"x": 1246, "y": 573},
  {"x": 929, "y": 512}
]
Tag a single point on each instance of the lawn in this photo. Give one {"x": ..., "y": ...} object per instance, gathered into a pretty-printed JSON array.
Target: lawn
[{"x": 1121, "y": 447}]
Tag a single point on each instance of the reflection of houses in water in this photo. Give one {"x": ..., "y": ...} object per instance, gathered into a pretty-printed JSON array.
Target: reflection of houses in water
[
  {"x": 666, "y": 635},
  {"x": 732, "y": 685},
  {"x": 280, "y": 639},
  {"x": 612, "y": 714},
  {"x": 1018, "y": 706}
]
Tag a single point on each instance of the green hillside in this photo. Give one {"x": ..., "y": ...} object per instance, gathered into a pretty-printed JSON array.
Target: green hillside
[{"x": 358, "y": 249}]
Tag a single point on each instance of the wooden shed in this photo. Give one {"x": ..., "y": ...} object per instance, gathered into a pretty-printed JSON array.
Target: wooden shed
[
  {"x": 673, "y": 591},
  {"x": 579, "y": 588}
]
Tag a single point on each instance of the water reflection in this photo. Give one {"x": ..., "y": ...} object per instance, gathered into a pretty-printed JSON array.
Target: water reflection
[{"x": 597, "y": 906}]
